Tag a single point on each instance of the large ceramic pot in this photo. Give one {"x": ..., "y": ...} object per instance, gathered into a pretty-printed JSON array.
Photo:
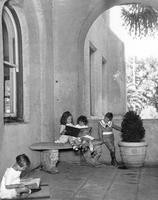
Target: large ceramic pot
[{"x": 133, "y": 153}]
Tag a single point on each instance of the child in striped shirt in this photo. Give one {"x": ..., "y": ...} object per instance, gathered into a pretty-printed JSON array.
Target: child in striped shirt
[{"x": 105, "y": 129}]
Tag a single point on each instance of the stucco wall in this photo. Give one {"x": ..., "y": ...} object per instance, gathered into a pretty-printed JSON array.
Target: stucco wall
[
  {"x": 95, "y": 80},
  {"x": 37, "y": 46},
  {"x": 109, "y": 83},
  {"x": 116, "y": 75}
]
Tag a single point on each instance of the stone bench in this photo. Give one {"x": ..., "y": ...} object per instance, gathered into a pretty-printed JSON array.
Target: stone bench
[{"x": 49, "y": 154}]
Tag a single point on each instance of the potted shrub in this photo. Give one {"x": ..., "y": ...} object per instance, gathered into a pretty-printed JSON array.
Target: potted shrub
[{"x": 132, "y": 147}]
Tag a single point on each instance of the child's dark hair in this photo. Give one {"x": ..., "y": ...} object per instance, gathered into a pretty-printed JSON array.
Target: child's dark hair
[
  {"x": 109, "y": 115},
  {"x": 83, "y": 119},
  {"x": 23, "y": 160},
  {"x": 65, "y": 115}
]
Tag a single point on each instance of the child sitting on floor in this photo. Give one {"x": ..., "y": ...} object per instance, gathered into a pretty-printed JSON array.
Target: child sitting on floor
[{"x": 10, "y": 185}]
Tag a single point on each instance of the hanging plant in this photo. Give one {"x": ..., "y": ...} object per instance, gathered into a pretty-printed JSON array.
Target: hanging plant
[{"x": 140, "y": 20}]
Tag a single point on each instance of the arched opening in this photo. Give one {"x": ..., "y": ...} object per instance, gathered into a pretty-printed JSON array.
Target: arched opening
[
  {"x": 82, "y": 37},
  {"x": 85, "y": 88}
]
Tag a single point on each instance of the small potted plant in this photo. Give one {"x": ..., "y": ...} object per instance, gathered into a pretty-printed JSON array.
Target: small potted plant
[{"x": 132, "y": 147}]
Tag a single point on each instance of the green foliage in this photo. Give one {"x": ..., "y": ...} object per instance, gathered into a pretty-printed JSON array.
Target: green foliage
[
  {"x": 132, "y": 127},
  {"x": 140, "y": 20}
]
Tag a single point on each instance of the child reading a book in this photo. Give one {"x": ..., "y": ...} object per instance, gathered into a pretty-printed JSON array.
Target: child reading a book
[
  {"x": 84, "y": 134},
  {"x": 10, "y": 185},
  {"x": 90, "y": 147},
  {"x": 66, "y": 119},
  {"x": 105, "y": 128},
  {"x": 82, "y": 122}
]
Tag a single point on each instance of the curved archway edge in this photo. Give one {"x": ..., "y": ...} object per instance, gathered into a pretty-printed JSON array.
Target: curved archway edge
[{"x": 97, "y": 9}]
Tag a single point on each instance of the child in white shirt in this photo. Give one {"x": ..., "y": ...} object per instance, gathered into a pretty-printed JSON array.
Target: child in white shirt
[{"x": 10, "y": 185}]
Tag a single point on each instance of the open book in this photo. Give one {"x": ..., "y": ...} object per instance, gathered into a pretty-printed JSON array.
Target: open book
[
  {"x": 31, "y": 183},
  {"x": 72, "y": 131},
  {"x": 77, "y": 132}
]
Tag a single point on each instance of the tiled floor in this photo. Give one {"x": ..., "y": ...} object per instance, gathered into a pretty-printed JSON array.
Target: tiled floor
[{"x": 80, "y": 182}]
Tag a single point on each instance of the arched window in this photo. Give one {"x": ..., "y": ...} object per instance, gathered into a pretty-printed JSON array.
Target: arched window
[{"x": 12, "y": 59}]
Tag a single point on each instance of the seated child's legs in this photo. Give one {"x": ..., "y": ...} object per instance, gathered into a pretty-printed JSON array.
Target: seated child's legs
[
  {"x": 72, "y": 140},
  {"x": 75, "y": 142},
  {"x": 62, "y": 139}
]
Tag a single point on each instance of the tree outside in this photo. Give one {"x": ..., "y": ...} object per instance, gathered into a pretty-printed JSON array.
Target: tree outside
[
  {"x": 142, "y": 73},
  {"x": 142, "y": 86},
  {"x": 137, "y": 26}
]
